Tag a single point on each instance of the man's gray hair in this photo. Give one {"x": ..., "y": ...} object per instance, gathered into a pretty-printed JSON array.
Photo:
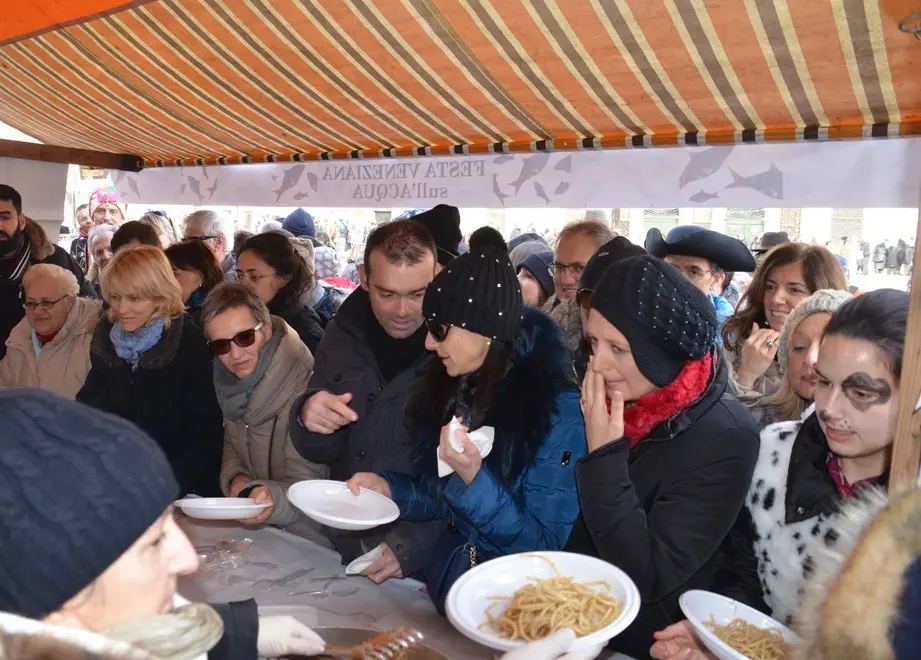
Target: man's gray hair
[
  {"x": 212, "y": 224},
  {"x": 234, "y": 295},
  {"x": 66, "y": 280},
  {"x": 597, "y": 230},
  {"x": 100, "y": 230}
]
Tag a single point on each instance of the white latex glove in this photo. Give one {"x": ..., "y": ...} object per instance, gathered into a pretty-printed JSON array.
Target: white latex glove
[
  {"x": 553, "y": 648},
  {"x": 285, "y": 635}
]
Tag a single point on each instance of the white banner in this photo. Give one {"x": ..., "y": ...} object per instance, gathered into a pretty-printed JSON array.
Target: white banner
[
  {"x": 42, "y": 186},
  {"x": 867, "y": 173}
]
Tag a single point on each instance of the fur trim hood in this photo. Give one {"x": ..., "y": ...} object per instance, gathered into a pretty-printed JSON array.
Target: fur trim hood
[
  {"x": 42, "y": 247},
  {"x": 854, "y": 600}
]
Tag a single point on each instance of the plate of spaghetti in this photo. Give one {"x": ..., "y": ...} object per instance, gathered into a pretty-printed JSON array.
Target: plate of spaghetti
[
  {"x": 733, "y": 631},
  {"x": 513, "y": 600}
]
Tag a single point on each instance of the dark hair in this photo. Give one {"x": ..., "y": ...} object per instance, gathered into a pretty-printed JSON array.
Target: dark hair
[
  {"x": 821, "y": 270},
  {"x": 239, "y": 238},
  {"x": 403, "y": 242},
  {"x": 879, "y": 317},
  {"x": 233, "y": 295},
  {"x": 436, "y": 395},
  {"x": 196, "y": 256},
  {"x": 9, "y": 194},
  {"x": 134, "y": 230},
  {"x": 277, "y": 251}
]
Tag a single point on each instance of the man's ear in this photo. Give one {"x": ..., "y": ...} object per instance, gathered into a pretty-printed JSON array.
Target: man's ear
[{"x": 363, "y": 277}]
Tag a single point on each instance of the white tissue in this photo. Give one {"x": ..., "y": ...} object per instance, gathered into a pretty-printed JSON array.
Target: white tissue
[
  {"x": 361, "y": 565},
  {"x": 482, "y": 438}
]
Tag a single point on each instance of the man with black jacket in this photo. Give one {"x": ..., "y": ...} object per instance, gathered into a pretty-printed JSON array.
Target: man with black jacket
[
  {"x": 23, "y": 243},
  {"x": 367, "y": 364}
]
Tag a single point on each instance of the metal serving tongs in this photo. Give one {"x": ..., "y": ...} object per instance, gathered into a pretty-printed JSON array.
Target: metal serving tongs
[{"x": 386, "y": 646}]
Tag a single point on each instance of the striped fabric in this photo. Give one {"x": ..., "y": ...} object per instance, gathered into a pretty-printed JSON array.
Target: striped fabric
[{"x": 230, "y": 81}]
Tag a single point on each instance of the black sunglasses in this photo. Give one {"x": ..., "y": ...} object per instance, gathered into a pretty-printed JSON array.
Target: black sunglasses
[
  {"x": 243, "y": 339},
  {"x": 438, "y": 331},
  {"x": 192, "y": 239}
]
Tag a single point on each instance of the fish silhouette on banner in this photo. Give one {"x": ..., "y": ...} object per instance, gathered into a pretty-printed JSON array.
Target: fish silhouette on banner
[
  {"x": 769, "y": 182},
  {"x": 703, "y": 163},
  {"x": 539, "y": 189},
  {"x": 195, "y": 187},
  {"x": 530, "y": 168},
  {"x": 702, "y": 197},
  {"x": 497, "y": 190},
  {"x": 212, "y": 189},
  {"x": 290, "y": 180}
]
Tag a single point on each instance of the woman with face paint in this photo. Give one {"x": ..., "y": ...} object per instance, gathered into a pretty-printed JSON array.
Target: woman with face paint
[
  {"x": 797, "y": 355},
  {"x": 789, "y": 273},
  {"x": 807, "y": 468}
]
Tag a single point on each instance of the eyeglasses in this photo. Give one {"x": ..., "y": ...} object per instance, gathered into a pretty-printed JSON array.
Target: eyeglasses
[
  {"x": 192, "y": 239},
  {"x": 255, "y": 278},
  {"x": 44, "y": 305},
  {"x": 694, "y": 273},
  {"x": 243, "y": 339},
  {"x": 583, "y": 296},
  {"x": 575, "y": 269},
  {"x": 438, "y": 331}
]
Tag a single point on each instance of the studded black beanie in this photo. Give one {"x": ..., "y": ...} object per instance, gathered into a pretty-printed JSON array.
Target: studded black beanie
[
  {"x": 479, "y": 292},
  {"x": 79, "y": 487},
  {"x": 666, "y": 319}
]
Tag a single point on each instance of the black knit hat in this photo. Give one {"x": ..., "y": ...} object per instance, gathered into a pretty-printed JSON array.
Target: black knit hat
[
  {"x": 79, "y": 487},
  {"x": 478, "y": 291},
  {"x": 666, "y": 319},
  {"x": 538, "y": 265},
  {"x": 614, "y": 250},
  {"x": 443, "y": 223}
]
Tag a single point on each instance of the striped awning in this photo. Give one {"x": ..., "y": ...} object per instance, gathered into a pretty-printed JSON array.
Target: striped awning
[{"x": 221, "y": 81}]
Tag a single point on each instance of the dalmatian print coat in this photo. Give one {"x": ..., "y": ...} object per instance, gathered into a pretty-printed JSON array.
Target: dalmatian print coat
[{"x": 786, "y": 536}]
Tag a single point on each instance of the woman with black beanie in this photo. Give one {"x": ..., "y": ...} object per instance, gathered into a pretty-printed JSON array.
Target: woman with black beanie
[
  {"x": 496, "y": 364},
  {"x": 670, "y": 456}
]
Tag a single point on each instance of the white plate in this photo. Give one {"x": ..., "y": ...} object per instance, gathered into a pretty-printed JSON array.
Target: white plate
[
  {"x": 332, "y": 504},
  {"x": 698, "y": 606},
  {"x": 469, "y": 598},
  {"x": 221, "y": 508}
]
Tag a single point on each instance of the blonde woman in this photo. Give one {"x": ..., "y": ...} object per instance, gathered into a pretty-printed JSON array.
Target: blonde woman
[
  {"x": 150, "y": 365},
  {"x": 163, "y": 225},
  {"x": 796, "y": 356},
  {"x": 50, "y": 347}
]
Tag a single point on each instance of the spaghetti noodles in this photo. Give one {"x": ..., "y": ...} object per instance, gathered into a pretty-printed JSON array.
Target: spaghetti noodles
[
  {"x": 751, "y": 641},
  {"x": 540, "y": 609}
]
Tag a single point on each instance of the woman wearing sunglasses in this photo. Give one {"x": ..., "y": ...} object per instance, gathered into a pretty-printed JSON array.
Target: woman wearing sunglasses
[
  {"x": 280, "y": 275},
  {"x": 261, "y": 367},
  {"x": 150, "y": 365},
  {"x": 496, "y": 364}
]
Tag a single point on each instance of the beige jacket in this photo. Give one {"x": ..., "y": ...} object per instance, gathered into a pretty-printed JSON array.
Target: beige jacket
[
  {"x": 63, "y": 363},
  {"x": 259, "y": 446}
]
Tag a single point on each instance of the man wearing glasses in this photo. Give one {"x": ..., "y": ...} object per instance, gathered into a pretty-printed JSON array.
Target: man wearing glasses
[
  {"x": 574, "y": 247},
  {"x": 216, "y": 232},
  {"x": 706, "y": 258}
]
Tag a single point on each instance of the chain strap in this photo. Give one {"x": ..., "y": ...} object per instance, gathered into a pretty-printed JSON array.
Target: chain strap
[{"x": 471, "y": 550}]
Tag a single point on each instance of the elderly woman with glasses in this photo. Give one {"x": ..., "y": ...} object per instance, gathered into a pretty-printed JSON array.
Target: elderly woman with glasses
[
  {"x": 151, "y": 366},
  {"x": 262, "y": 366},
  {"x": 50, "y": 347},
  {"x": 278, "y": 273},
  {"x": 496, "y": 365}
]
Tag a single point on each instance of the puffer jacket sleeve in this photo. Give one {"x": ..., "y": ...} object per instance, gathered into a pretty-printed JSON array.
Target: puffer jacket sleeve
[
  {"x": 660, "y": 549},
  {"x": 417, "y": 497},
  {"x": 540, "y": 515},
  {"x": 241, "y": 631}
]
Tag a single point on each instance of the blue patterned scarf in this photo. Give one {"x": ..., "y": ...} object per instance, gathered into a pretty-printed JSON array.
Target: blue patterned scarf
[{"x": 131, "y": 345}]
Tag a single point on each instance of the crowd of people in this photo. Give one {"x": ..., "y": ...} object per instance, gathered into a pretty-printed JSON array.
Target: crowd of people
[{"x": 646, "y": 410}]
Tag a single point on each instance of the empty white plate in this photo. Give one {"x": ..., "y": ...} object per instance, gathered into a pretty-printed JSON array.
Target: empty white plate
[
  {"x": 332, "y": 504},
  {"x": 221, "y": 508}
]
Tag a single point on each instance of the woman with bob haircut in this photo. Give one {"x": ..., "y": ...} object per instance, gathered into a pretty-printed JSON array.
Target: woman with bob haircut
[
  {"x": 789, "y": 273},
  {"x": 150, "y": 365},
  {"x": 197, "y": 271}
]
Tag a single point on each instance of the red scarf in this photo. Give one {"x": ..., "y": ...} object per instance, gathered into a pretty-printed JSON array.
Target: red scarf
[
  {"x": 44, "y": 339},
  {"x": 660, "y": 406}
]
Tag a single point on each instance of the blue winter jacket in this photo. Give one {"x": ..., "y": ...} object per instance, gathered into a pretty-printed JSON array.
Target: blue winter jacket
[{"x": 534, "y": 505}]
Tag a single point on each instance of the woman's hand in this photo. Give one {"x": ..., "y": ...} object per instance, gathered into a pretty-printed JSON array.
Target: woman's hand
[
  {"x": 758, "y": 354},
  {"x": 370, "y": 481},
  {"x": 467, "y": 462},
  {"x": 679, "y": 642},
  {"x": 260, "y": 495},
  {"x": 601, "y": 426},
  {"x": 238, "y": 483}
]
